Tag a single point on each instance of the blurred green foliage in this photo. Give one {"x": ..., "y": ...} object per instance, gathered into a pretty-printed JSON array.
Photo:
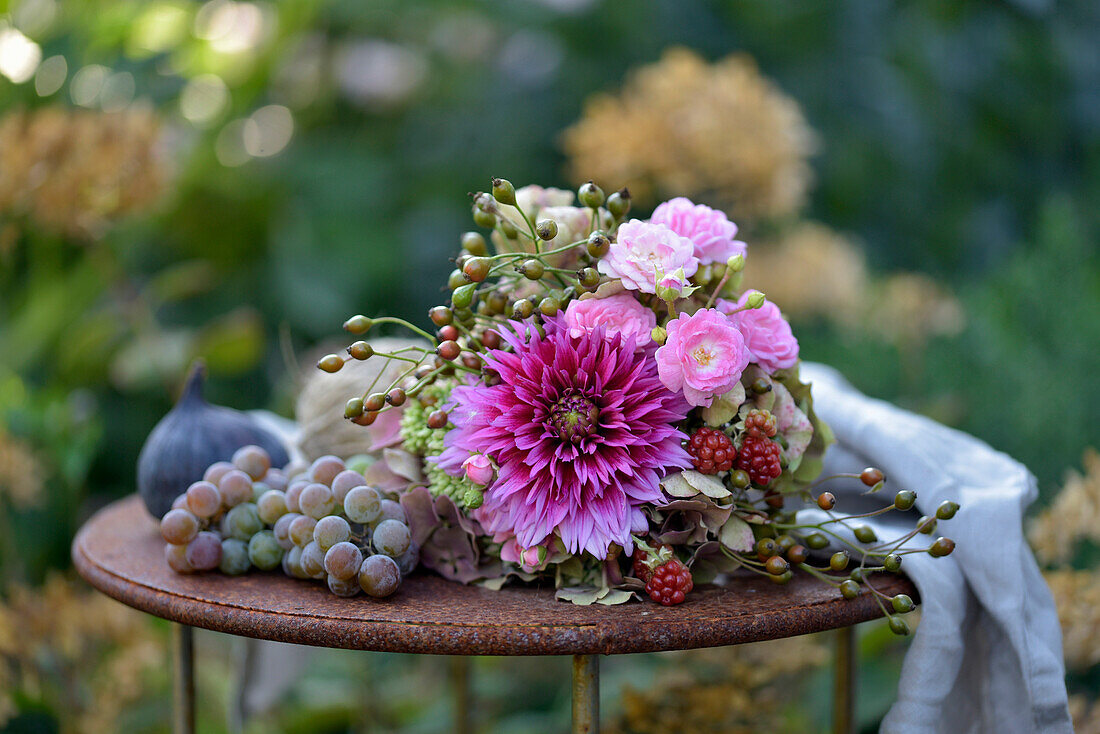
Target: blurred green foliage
[{"x": 317, "y": 154}]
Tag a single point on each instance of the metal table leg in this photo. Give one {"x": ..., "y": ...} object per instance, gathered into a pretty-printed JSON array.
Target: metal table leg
[
  {"x": 844, "y": 682},
  {"x": 183, "y": 685},
  {"x": 586, "y": 694},
  {"x": 461, "y": 692}
]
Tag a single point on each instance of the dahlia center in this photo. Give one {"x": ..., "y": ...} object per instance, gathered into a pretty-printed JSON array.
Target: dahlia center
[{"x": 573, "y": 417}]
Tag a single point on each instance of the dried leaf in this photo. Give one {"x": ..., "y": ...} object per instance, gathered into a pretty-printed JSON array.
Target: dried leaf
[
  {"x": 723, "y": 409},
  {"x": 736, "y": 535}
]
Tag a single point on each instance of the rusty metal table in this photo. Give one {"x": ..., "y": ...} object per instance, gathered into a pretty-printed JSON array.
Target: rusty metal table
[{"x": 119, "y": 551}]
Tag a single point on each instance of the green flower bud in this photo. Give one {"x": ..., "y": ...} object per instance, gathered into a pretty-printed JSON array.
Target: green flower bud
[
  {"x": 619, "y": 203},
  {"x": 739, "y": 477},
  {"x": 523, "y": 308},
  {"x": 330, "y": 363},
  {"x": 782, "y": 578},
  {"x": 777, "y": 566},
  {"x": 396, "y": 397},
  {"x": 476, "y": 269},
  {"x": 359, "y": 324},
  {"x": 892, "y": 563},
  {"x": 667, "y": 294},
  {"x": 473, "y": 498},
  {"x": 598, "y": 244},
  {"x": 463, "y": 296},
  {"x": 899, "y": 626},
  {"x": 504, "y": 191},
  {"x": 484, "y": 219},
  {"x": 590, "y": 195},
  {"x": 864, "y": 534},
  {"x": 456, "y": 279},
  {"x": 546, "y": 229},
  {"x": 660, "y": 335},
  {"x": 755, "y": 300},
  {"x": 508, "y": 229},
  {"x": 374, "y": 402},
  {"x": 496, "y": 302},
  {"x": 353, "y": 408},
  {"x": 904, "y": 499},
  {"x": 926, "y": 525},
  {"x": 767, "y": 547},
  {"x": 589, "y": 277},
  {"x": 531, "y": 269},
  {"x": 902, "y": 603},
  {"x": 486, "y": 203},
  {"x": 946, "y": 510},
  {"x": 849, "y": 589},
  {"x": 735, "y": 264},
  {"x": 941, "y": 547},
  {"x": 761, "y": 385},
  {"x": 474, "y": 243},
  {"x": 858, "y": 574}
]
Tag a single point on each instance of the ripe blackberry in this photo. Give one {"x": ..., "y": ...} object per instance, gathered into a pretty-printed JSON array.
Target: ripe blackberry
[
  {"x": 711, "y": 451},
  {"x": 670, "y": 583},
  {"x": 641, "y": 568},
  {"x": 760, "y": 423},
  {"x": 760, "y": 458}
]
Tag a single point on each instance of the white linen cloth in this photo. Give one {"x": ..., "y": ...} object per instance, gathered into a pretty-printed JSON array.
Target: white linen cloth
[{"x": 987, "y": 655}]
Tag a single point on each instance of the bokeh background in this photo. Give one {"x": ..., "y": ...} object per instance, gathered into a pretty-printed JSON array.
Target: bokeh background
[{"x": 919, "y": 184}]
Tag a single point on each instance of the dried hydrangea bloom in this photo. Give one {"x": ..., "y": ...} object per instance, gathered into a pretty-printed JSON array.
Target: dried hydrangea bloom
[
  {"x": 77, "y": 171},
  {"x": 727, "y": 136},
  {"x": 1077, "y": 595},
  {"x": 21, "y": 475},
  {"x": 910, "y": 308},
  {"x": 1073, "y": 516}
]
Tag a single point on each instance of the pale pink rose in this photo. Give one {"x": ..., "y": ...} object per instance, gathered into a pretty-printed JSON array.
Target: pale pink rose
[
  {"x": 711, "y": 232},
  {"x": 643, "y": 253},
  {"x": 703, "y": 356},
  {"x": 768, "y": 336},
  {"x": 620, "y": 313},
  {"x": 479, "y": 469}
]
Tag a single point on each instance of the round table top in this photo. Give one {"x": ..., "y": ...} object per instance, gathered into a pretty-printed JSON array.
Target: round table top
[{"x": 120, "y": 552}]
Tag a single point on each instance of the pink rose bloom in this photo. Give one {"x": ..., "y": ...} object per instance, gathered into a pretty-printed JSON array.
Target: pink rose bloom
[
  {"x": 620, "y": 313},
  {"x": 644, "y": 253},
  {"x": 479, "y": 469},
  {"x": 767, "y": 334},
  {"x": 703, "y": 356},
  {"x": 711, "y": 232}
]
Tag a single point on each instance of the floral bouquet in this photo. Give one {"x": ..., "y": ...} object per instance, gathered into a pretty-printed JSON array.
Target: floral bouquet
[{"x": 604, "y": 405}]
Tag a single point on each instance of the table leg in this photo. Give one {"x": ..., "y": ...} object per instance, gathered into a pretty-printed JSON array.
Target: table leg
[
  {"x": 461, "y": 691},
  {"x": 586, "y": 694},
  {"x": 183, "y": 686},
  {"x": 844, "y": 682}
]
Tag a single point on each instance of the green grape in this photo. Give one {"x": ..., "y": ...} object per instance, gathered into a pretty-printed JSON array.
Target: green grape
[
  {"x": 276, "y": 479},
  {"x": 360, "y": 463},
  {"x": 264, "y": 551},
  {"x": 345, "y": 481},
  {"x": 292, "y": 563},
  {"x": 252, "y": 460},
  {"x": 282, "y": 530},
  {"x": 379, "y": 576},
  {"x": 180, "y": 503},
  {"x": 179, "y": 527},
  {"x": 242, "y": 522},
  {"x": 259, "y": 489},
  {"x": 313, "y": 561},
  {"x": 344, "y": 587},
  {"x": 293, "y": 492},
  {"x": 363, "y": 505},
  {"x": 236, "y": 487},
  {"x": 204, "y": 500},
  {"x": 390, "y": 511},
  {"x": 316, "y": 501},
  {"x": 176, "y": 555},
  {"x": 391, "y": 538},
  {"x": 272, "y": 506},
  {"x": 330, "y": 531},
  {"x": 343, "y": 560},
  {"x": 301, "y": 530},
  {"x": 204, "y": 552},
  {"x": 216, "y": 471},
  {"x": 325, "y": 469},
  {"x": 235, "y": 560}
]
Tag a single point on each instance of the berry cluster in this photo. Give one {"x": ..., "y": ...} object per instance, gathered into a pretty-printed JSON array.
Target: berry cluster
[
  {"x": 711, "y": 451},
  {"x": 760, "y": 424},
  {"x": 760, "y": 458},
  {"x": 667, "y": 580},
  {"x": 322, "y": 522}
]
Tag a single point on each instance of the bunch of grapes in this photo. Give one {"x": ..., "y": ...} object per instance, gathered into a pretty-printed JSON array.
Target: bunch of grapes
[{"x": 322, "y": 523}]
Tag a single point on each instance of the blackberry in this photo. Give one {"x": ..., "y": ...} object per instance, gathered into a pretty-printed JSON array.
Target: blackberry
[
  {"x": 711, "y": 451},
  {"x": 760, "y": 423},
  {"x": 670, "y": 583},
  {"x": 760, "y": 458}
]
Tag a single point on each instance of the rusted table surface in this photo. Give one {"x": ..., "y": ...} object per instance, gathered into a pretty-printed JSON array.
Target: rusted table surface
[{"x": 120, "y": 552}]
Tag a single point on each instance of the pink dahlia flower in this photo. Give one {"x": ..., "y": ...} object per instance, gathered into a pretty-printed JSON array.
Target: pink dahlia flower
[
  {"x": 618, "y": 314},
  {"x": 582, "y": 431},
  {"x": 767, "y": 334},
  {"x": 703, "y": 356},
  {"x": 711, "y": 232},
  {"x": 643, "y": 253}
]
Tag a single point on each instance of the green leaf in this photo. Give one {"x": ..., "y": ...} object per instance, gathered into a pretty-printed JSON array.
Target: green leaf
[
  {"x": 580, "y": 595},
  {"x": 675, "y": 485},
  {"x": 723, "y": 409},
  {"x": 615, "y": 596},
  {"x": 706, "y": 484},
  {"x": 736, "y": 535}
]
